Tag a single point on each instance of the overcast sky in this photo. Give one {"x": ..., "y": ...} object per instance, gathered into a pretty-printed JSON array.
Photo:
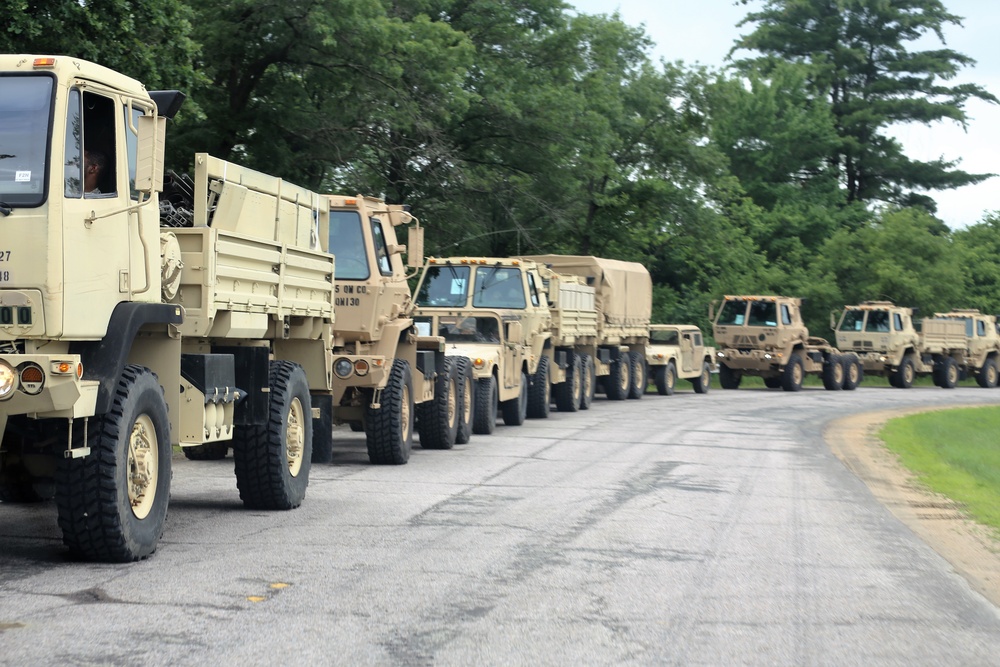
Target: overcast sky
[{"x": 703, "y": 31}]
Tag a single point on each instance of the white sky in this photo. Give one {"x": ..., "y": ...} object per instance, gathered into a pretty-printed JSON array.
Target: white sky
[{"x": 704, "y": 31}]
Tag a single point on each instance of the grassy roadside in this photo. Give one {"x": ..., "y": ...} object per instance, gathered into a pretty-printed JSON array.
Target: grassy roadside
[{"x": 955, "y": 453}]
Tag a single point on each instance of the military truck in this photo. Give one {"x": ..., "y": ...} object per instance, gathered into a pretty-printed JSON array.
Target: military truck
[
  {"x": 123, "y": 335},
  {"x": 764, "y": 336},
  {"x": 890, "y": 344},
  {"x": 982, "y": 346},
  {"x": 389, "y": 380},
  {"x": 491, "y": 311},
  {"x": 614, "y": 360},
  {"x": 678, "y": 351}
]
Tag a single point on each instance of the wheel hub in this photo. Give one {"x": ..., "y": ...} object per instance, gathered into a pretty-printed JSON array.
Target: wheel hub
[
  {"x": 142, "y": 466},
  {"x": 295, "y": 437}
]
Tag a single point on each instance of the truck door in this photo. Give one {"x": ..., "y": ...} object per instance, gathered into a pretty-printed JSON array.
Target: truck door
[
  {"x": 687, "y": 352},
  {"x": 97, "y": 251}
]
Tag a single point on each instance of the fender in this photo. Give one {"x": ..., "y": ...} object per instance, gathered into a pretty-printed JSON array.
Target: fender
[{"x": 104, "y": 359}]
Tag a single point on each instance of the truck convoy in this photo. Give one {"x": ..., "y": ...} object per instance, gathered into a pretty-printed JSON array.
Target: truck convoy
[
  {"x": 946, "y": 346},
  {"x": 764, "y": 336},
  {"x": 538, "y": 328},
  {"x": 678, "y": 351},
  {"x": 123, "y": 335}
]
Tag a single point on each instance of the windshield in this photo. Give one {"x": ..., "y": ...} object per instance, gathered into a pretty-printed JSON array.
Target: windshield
[
  {"x": 444, "y": 286},
  {"x": 25, "y": 115},
  {"x": 733, "y": 312},
  {"x": 763, "y": 314},
  {"x": 668, "y": 337},
  {"x": 498, "y": 287},
  {"x": 469, "y": 329},
  {"x": 852, "y": 320},
  {"x": 347, "y": 244},
  {"x": 878, "y": 321}
]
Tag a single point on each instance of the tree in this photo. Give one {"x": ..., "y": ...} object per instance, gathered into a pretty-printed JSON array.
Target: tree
[
  {"x": 149, "y": 40},
  {"x": 857, "y": 59}
]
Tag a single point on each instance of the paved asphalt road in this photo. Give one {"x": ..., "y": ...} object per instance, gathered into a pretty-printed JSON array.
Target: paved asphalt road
[{"x": 687, "y": 530}]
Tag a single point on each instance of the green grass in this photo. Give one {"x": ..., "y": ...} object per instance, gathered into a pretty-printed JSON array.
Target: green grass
[{"x": 954, "y": 453}]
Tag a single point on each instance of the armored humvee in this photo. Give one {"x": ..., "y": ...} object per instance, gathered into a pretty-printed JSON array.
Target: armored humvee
[{"x": 678, "y": 351}]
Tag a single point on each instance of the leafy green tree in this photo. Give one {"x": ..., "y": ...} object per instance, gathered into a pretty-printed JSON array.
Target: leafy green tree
[
  {"x": 858, "y": 59},
  {"x": 149, "y": 40},
  {"x": 978, "y": 248}
]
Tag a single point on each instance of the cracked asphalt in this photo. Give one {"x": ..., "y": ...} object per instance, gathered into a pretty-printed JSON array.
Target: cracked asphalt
[{"x": 682, "y": 530}]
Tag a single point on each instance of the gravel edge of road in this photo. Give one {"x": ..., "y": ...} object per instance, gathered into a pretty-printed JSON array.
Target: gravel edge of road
[{"x": 937, "y": 520}]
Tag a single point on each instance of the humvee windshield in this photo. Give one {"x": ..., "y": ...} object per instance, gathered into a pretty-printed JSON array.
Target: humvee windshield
[
  {"x": 498, "y": 287},
  {"x": 444, "y": 286},
  {"x": 25, "y": 119},
  {"x": 347, "y": 244},
  {"x": 469, "y": 329},
  {"x": 733, "y": 312},
  {"x": 665, "y": 337}
]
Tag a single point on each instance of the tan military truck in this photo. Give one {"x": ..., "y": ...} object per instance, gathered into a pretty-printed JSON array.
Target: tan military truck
[
  {"x": 491, "y": 310},
  {"x": 679, "y": 351},
  {"x": 889, "y": 344},
  {"x": 982, "y": 347},
  {"x": 389, "y": 380},
  {"x": 614, "y": 360},
  {"x": 123, "y": 335},
  {"x": 764, "y": 336}
]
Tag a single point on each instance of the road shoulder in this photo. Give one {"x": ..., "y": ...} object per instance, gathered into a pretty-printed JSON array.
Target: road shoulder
[{"x": 934, "y": 518}]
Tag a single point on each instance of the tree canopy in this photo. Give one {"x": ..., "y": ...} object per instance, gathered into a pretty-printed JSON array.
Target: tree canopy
[{"x": 523, "y": 126}]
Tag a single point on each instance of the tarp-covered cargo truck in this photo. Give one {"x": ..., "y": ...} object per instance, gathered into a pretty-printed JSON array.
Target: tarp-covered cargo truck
[
  {"x": 125, "y": 332},
  {"x": 891, "y": 344},
  {"x": 388, "y": 379},
  {"x": 765, "y": 336},
  {"x": 615, "y": 360}
]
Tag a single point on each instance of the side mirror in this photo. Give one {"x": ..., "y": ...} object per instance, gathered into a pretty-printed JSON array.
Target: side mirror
[
  {"x": 149, "y": 153},
  {"x": 415, "y": 247},
  {"x": 833, "y": 320},
  {"x": 711, "y": 311}
]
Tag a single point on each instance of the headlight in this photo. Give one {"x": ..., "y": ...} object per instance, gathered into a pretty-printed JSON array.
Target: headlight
[
  {"x": 343, "y": 368},
  {"x": 8, "y": 380},
  {"x": 361, "y": 367},
  {"x": 720, "y": 354},
  {"x": 767, "y": 355}
]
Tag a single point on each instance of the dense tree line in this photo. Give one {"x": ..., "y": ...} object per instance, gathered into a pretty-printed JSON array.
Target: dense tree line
[{"x": 517, "y": 126}]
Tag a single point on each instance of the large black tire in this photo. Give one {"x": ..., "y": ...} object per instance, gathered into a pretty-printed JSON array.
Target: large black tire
[
  {"x": 540, "y": 391},
  {"x": 466, "y": 399},
  {"x": 357, "y": 426},
  {"x": 389, "y": 428},
  {"x": 854, "y": 372},
  {"x": 904, "y": 373},
  {"x": 437, "y": 419},
  {"x": 588, "y": 384},
  {"x": 949, "y": 373},
  {"x": 567, "y": 394},
  {"x": 211, "y": 451},
  {"x": 272, "y": 460},
  {"x": 113, "y": 502},
  {"x": 703, "y": 382},
  {"x": 638, "y": 378},
  {"x": 665, "y": 378},
  {"x": 728, "y": 378},
  {"x": 484, "y": 418},
  {"x": 619, "y": 381},
  {"x": 515, "y": 410},
  {"x": 772, "y": 382},
  {"x": 988, "y": 375},
  {"x": 833, "y": 373},
  {"x": 792, "y": 376}
]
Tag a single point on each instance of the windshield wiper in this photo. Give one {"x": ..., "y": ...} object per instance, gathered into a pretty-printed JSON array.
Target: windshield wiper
[{"x": 5, "y": 208}]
